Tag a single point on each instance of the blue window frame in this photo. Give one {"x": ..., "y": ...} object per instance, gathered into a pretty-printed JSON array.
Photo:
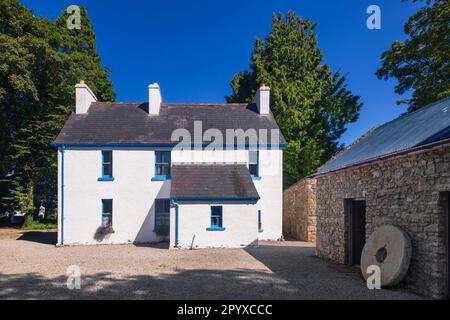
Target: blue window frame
[
  {"x": 162, "y": 165},
  {"x": 162, "y": 217},
  {"x": 107, "y": 166},
  {"x": 253, "y": 163},
  {"x": 107, "y": 213},
  {"x": 216, "y": 219}
]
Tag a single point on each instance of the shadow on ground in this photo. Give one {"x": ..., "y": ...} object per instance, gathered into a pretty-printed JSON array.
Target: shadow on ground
[
  {"x": 157, "y": 245},
  {"x": 44, "y": 237},
  {"x": 294, "y": 273},
  {"x": 185, "y": 284},
  {"x": 318, "y": 279}
]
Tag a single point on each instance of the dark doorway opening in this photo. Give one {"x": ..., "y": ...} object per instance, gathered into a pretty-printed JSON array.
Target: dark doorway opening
[
  {"x": 162, "y": 217},
  {"x": 356, "y": 231}
]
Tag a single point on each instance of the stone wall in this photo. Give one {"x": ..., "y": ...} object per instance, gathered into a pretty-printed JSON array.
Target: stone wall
[
  {"x": 408, "y": 192},
  {"x": 299, "y": 211}
]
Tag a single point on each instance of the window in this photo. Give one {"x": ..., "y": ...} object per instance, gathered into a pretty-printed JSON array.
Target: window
[
  {"x": 216, "y": 219},
  {"x": 260, "y": 229},
  {"x": 162, "y": 165},
  {"x": 253, "y": 163},
  {"x": 162, "y": 217},
  {"x": 107, "y": 213},
  {"x": 107, "y": 169}
]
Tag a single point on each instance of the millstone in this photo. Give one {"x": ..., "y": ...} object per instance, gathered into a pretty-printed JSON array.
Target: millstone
[{"x": 389, "y": 248}]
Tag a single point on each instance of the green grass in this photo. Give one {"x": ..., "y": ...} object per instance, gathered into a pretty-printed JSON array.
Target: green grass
[{"x": 30, "y": 224}]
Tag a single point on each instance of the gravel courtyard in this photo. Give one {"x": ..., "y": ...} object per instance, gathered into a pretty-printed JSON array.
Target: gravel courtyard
[{"x": 31, "y": 267}]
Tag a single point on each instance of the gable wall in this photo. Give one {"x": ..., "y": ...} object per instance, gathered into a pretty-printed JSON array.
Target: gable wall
[{"x": 299, "y": 211}]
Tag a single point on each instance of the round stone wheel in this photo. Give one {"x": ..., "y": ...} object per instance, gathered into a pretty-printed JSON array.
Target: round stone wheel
[{"x": 389, "y": 248}]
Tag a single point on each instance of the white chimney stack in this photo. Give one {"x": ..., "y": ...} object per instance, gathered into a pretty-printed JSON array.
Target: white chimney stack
[
  {"x": 83, "y": 97},
  {"x": 262, "y": 100},
  {"x": 154, "y": 99}
]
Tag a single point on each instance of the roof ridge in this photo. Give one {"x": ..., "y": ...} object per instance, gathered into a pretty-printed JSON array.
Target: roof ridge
[{"x": 201, "y": 104}]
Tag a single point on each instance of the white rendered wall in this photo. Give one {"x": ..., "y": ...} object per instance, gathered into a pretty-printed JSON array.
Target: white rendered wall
[
  {"x": 270, "y": 189},
  {"x": 209, "y": 156},
  {"x": 239, "y": 220},
  {"x": 59, "y": 195},
  {"x": 133, "y": 193}
]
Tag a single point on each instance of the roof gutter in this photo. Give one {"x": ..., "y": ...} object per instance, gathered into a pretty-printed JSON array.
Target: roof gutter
[{"x": 395, "y": 155}]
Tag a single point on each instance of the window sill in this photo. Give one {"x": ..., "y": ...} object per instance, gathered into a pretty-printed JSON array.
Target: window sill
[
  {"x": 215, "y": 229},
  {"x": 256, "y": 178},
  {"x": 105, "y": 179},
  {"x": 160, "y": 178}
]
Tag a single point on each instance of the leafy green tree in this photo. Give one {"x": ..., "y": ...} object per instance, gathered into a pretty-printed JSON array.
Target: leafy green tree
[
  {"x": 40, "y": 62},
  {"x": 422, "y": 62},
  {"x": 310, "y": 103}
]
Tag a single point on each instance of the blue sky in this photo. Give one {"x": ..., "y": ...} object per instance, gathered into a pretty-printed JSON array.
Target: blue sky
[{"x": 193, "y": 48}]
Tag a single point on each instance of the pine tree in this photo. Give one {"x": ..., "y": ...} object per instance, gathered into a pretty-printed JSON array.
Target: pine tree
[
  {"x": 310, "y": 103},
  {"x": 40, "y": 62}
]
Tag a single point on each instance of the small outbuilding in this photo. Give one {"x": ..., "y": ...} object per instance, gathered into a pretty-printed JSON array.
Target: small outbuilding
[{"x": 399, "y": 174}]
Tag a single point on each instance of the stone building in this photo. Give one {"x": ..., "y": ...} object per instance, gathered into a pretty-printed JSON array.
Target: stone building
[
  {"x": 299, "y": 211},
  {"x": 399, "y": 174}
]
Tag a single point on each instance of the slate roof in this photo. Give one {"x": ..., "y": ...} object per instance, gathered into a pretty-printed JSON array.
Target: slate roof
[
  {"x": 427, "y": 125},
  {"x": 129, "y": 123},
  {"x": 212, "y": 181}
]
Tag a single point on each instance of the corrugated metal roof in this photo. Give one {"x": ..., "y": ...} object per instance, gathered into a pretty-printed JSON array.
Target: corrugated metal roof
[{"x": 426, "y": 125}]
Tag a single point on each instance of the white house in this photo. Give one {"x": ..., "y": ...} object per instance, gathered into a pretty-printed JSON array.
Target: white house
[{"x": 197, "y": 175}]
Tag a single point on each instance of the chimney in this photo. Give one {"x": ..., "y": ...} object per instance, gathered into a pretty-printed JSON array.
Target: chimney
[
  {"x": 262, "y": 99},
  {"x": 83, "y": 97},
  {"x": 154, "y": 99}
]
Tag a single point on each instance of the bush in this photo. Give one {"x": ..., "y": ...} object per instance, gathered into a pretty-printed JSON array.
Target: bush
[{"x": 31, "y": 224}]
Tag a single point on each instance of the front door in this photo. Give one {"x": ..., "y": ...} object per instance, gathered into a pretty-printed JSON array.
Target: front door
[{"x": 357, "y": 231}]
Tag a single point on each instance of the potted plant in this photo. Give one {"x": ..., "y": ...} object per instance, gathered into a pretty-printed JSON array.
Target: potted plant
[{"x": 103, "y": 232}]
